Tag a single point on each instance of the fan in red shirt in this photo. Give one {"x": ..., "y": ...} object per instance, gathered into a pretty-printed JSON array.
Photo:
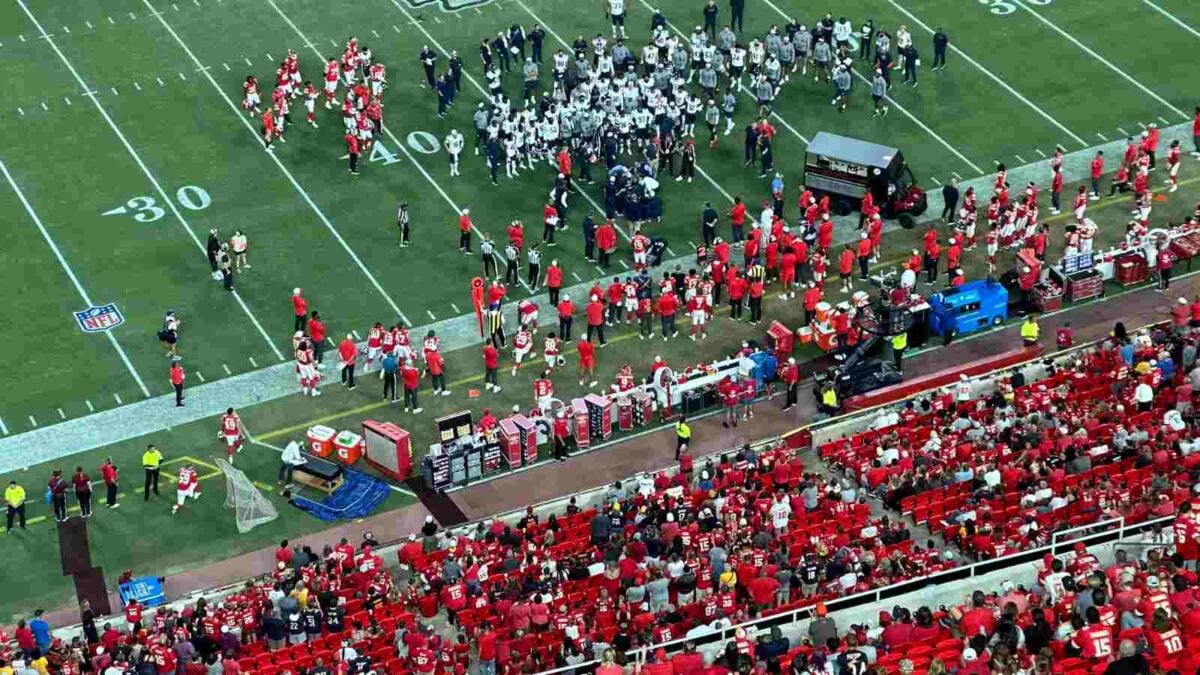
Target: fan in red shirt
[{"x": 163, "y": 656}]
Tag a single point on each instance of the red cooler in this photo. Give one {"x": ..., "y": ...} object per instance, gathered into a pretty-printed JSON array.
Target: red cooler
[
  {"x": 320, "y": 440},
  {"x": 349, "y": 447},
  {"x": 579, "y": 420},
  {"x": 625, "y": 413},
  {"x": 388, "y": 448},
  {"x": 510, "y": 442}
]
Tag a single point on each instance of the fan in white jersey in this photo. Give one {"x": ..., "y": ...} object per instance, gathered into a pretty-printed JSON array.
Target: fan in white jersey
[{"x": 188, "y": 485}]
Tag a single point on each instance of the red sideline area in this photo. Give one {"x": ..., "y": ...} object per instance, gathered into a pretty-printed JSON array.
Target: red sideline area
[{"x": 908, "y": 388}]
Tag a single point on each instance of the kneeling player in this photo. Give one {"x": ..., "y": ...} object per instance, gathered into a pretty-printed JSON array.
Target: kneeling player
[{"x": 188, "y": 486}]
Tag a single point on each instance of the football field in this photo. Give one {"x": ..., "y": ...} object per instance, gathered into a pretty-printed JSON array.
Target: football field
[{"x": 123, "y": 143}]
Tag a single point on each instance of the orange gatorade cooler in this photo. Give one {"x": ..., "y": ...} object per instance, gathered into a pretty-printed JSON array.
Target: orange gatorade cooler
[
  {"x": 320, "y": 440},
  {"x": 349, "y": 447}
]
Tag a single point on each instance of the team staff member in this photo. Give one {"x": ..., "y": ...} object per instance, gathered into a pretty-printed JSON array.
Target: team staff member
[
  {"x": 108, "y": 471},
  {"x": 412, "y": 380},
  {"x": 491, "y": 362},
  {"x": 83, "y": 491},
  {"x": 57, "y": 487},
  {"x": 566, "y": 315},
  {"x": 790, "y": 376},
  {"x": 316, "y": 334},
  {"x": 348, "y": 357},
  {"x": 683, "y": 435},
  {"x": 1030, "y": 331},
  {"x": 177, "y": 378},
  {"x": 464, "y": 231},
  {"x": 899, "y": 344},
  {"x": 14, "y": 502},
  {"x": 390, "y": 367},
  {"x": 562, "y": 437},
  {"x": 595, "y": 319},
  {"x": 152, "y": 463},
  {"x": 299, "y": 309}
]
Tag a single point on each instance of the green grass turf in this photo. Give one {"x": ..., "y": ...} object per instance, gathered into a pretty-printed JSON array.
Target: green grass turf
[
  {"x": 145, "y": 538},
  {"x": 187, "y": 135}
]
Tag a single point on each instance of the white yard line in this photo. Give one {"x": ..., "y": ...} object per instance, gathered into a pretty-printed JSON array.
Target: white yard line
[
  {"x": 396, "y": 141},
  {"x": 198, "y": 375},
  {"x": 431, "y": 316},
  {"x": 117, "y": 397},
  {"x": 1173, "y": 18},
  {"x": 3, "y": 427},
  {"x": 32, "y": 421},
  {"x": 567, "y": 46},
  {"x": 62, "y": 261},
  {"x": 287, "y": 173},
  {"x": 454, "y": 307},
  {"x": 1053, "y": 26},
  {"x": 142, "y": 165},
  {"x": 253, "y": 362},
  {"x": 62, "y": 415},
  {"x": 1040, "y": 153},
  {"x": 1016, "y": 94},
  {"x": 90, "y": 407},
  {"x": 225, "y": 366},
  {"x": 953, "y": 150}
]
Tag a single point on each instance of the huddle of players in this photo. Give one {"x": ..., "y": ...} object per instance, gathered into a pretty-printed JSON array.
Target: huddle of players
[
  {"x": 605, "y": 101},
  {"x": 362, "y": 106}
]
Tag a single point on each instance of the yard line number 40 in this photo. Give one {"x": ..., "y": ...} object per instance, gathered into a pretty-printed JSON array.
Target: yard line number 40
[
  {"x": 1004, "y": 7},
  {"x": 145, "y": 209}
]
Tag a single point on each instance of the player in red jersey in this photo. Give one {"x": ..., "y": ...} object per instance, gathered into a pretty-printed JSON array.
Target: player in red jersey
[
  {"x": 268, "y": 128},
  {"x": 697, "y": 309},
  {"x": 331, "y": 82},
  {"x": 306, "y": 364},
  {"x": 231, "y": 431},
  {"x": 543, "y": 391},
  {"x": 1173, "y": 157},
  {"x": 640, "y": 244},
  {"x": 188, "y": 485},
  {"x": 522, "y": 346},
  {"x": 550, "y": 351},
  {"x": 374, "y": 343}
]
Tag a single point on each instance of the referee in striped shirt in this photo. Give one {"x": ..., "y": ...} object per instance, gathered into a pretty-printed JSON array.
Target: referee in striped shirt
[
  {"x": 534, "y": 257},
  {"x": 402, "y": 223},
  {"x": 495, "y": 327}
]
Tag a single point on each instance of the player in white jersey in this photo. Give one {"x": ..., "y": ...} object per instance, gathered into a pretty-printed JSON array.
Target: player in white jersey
[
  {"x": 310, "y": 104},
  {"x": 188, "y": 485},
  {"x": 616, "y": 12},
  {"x": 378, "y": 79},
  {"x": 454, "y": 146},
  {"x": 251, "y": 100}
]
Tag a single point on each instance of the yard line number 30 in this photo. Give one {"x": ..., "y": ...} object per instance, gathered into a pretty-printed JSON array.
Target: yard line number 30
[
  {"x": 1004, "y": 7},
  {"x": 145, "y": 209}
]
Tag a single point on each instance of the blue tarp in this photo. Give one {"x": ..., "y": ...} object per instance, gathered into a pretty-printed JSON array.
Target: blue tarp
[
  {"x": 146, "y": 590},
  {"x": 357, "y": 497}
]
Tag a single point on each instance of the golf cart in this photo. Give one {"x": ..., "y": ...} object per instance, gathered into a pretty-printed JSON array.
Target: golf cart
[{"x": 847, "y": 168}]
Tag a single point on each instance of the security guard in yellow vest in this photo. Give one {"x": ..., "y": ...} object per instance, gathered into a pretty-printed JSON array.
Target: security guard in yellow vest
[
  {"x": 829, "y": 400},
  {"x": 14, "y": 502},
  {"x": 152, "y": 463},
  {"x": 1030, "y": 331},
  {"x": 899, "y": 344},
  {"x": 683, "y": 435}
]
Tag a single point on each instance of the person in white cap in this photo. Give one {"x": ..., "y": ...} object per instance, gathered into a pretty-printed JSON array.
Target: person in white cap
[
  {"x": 789, "y": 374},
  {"x": 299, "y": 309},
  {"x": 962, "y": 390}
]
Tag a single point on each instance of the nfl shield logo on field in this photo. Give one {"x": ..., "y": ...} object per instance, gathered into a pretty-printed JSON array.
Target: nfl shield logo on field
[{"x": 99, "y": 319}]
